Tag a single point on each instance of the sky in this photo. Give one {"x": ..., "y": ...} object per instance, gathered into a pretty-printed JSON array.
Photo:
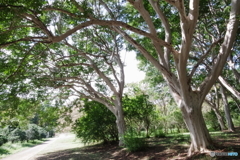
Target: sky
[{"x": 132, "y": 73}]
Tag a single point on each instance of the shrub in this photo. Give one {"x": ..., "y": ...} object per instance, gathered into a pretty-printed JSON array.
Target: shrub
[
  {"x": 42, "y": 133},
  {"x": 159, "y": 134},
  {"x": 134, "y": 143},
  {"x": 17, "y": 135},
  {"x": 50, "y": 134},
  {"x": 32, "y": 133},
  {"x": 3, "y": 139},
  {"x": 139, "y": 114},
  {"x": 97, "y": 123},
  {"x": 211, "y": 121}
]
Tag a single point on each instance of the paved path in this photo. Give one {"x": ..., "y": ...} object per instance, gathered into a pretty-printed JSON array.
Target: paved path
[{"x": 28, "y": 154}]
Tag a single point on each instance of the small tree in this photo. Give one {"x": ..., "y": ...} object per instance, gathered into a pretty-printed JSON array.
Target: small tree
[
  {"x": 32, "y": 133},
  {"x": 97, "y": 123},
  {"x": 139, "y": 113},
  {"x": 211, "y": 121},
  {"x": 42, "y": 132},
  {"x": 17, "y": 135},
  {"x": 3, "y": 139}
]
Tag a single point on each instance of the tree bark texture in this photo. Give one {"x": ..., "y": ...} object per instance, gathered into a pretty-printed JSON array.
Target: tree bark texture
[
  {"x": 192, "y": 115},
  {"x": 120, "y": 122}
]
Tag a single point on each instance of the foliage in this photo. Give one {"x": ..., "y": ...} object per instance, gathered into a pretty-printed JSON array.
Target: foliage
[
  {"x": 159, "y": 134},
  {"x": 176, "y": 121},
  {"x": 16, "y": 125},
  {"x": 139, "y": 113},
  {"x": 17, "y": 135},
  {"x": 164, "y": 115},
  {"x": 235, "y": 110},
  {"x": 3, "y": 139},
  {"x": 35, "y": 132},
  {"x": 96, "y": 124},
  {"x": 134, "y": 143},
  {"x": 211, "y": 121}
]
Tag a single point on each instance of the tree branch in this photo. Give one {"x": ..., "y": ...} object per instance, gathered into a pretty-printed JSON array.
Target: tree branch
[
  {"x": 225, "y": 49},
  {"x": 49, "y": 8},
  {"x": 229, "y": 87},
  {"x": 166, "y": 25},
  {"x": 203, "y": 57}
]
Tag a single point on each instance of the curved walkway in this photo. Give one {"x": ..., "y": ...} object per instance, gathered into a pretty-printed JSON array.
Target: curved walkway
[{"x": 57, "y": 143}]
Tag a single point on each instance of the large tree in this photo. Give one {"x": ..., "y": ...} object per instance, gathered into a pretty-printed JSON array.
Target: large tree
[
  {"x": 162, "y": 31},
  {"x": 87, "y": 64}
]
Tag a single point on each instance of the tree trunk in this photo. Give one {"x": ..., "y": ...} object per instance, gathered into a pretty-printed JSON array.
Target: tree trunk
[
  {"x": 220, "y": 119},
  {"x": 192, "y": 115},
  {"x": 217, "y": 113},
  {"x": 120, "y": 122},
  {"x": 227, "y": 110}
]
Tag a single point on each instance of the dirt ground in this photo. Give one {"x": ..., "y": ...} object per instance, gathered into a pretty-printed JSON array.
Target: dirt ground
[{"x": 158, "y": 149}]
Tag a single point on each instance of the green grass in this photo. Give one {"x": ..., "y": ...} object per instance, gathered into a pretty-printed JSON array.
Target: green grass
[
  {"x": 184, "y": 138},
  {"x": 11, "y": 148}
]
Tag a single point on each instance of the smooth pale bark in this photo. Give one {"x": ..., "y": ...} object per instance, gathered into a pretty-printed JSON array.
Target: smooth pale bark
[
  {"x": 200, "y": 137},
  {"x": 229, "y": 87},
  {"x": 220, "y": 119},
  {"x": 227, "y": 110},
  {"x": 120, "y": 121}
]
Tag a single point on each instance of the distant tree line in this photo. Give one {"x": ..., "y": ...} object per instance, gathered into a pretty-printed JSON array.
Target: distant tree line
[{"x": 15, "y": 134}]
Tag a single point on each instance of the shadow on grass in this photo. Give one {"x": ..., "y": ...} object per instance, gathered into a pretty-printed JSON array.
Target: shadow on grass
[
  {"x": 73, "y": 154},
  {"x": 172, "y": 147},
  {"x": 114, "y": 152},
  {"x": 3, "y": 151}
]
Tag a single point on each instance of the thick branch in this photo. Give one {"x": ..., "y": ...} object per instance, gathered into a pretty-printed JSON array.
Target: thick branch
[
  {"x": 203, "y": 57},
  {"x": 98, "y": 99},
  {"x": 97, "y": 70},
  {"x": 172, "y": 80},
  {"x": 229, "y": 87},
  {"x": 225, "y": 49},
  {"x": 49, "y": 8},
  {"x": 138, "y": 5},
  {"x": 30, "y": 39},
  {"x": 166, "y": 25},
  {"x": 95, "y": 22},
  {"x": 114, "y": 23},
  {"x": 38, "y": 23}
]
